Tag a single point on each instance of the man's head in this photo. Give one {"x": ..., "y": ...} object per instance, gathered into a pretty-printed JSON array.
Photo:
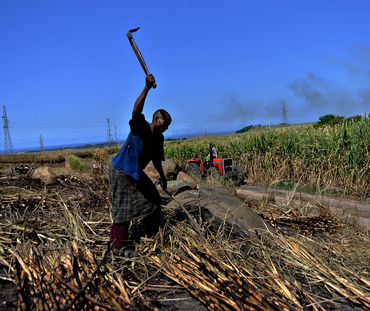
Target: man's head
[{"x": 161, "y": 121}]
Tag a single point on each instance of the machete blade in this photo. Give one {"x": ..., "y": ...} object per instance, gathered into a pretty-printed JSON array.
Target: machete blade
[
  {"x": 135, "y": 29},
  {"x": 129, "y": 34}
]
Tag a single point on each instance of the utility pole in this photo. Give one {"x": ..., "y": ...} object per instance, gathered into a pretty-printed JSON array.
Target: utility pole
[
  {"x": 109, "y": 134},
  {"x": 115, "y": 134},
  {"x": 41, "y": 143},
  {"x": 8, "y": 147},
  {"x": 284, "y": 113}
]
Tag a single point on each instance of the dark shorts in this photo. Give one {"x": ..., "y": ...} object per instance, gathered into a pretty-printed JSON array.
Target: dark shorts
[{"x": 132, "y": 199}]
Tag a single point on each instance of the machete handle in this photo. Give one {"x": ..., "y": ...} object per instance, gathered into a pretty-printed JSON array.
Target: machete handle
[{"x": 138, "y": 54}]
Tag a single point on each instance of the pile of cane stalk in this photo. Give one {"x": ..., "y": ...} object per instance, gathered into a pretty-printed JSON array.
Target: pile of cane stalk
[
  {"x": 264, "y": 272},
  {"x": 74, "y": 282},
  {"x": 220, "y": 285}
]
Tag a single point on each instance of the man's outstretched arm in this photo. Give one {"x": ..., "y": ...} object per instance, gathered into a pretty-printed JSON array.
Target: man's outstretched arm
[{"x": 139, "y": 104}]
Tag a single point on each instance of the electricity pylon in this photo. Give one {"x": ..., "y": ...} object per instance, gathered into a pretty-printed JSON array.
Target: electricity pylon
[
  {"x": 109, "y": 134},
  {"x": 8, "y": 146},
  {"x": 41, "y": 143},
  {"x": 284, "y": 113},
  {"x": 115, "y": 133}
]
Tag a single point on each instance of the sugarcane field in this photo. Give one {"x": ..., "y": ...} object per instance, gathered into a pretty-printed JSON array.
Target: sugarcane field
[{"x": 223, "y": 243}]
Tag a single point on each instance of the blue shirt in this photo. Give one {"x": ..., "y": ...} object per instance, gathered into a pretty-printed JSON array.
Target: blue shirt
[{"x": 140, "y": 147}]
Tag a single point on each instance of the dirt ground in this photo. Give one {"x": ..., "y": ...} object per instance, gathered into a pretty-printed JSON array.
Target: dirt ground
[
  {"x": 179, "y": 301},
  {"x": 8, "y": 295}
]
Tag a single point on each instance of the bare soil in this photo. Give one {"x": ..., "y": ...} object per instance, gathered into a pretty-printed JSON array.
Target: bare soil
[{"x": 8, "y": 296}]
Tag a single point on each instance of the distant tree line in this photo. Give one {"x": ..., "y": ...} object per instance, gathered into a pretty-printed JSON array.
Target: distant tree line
[
  {"x": 260, "y": 127},
  {"x": 330, "y": 120},
  {"x": 245, "y": 129},
  {"x": 175, "y": 139}
]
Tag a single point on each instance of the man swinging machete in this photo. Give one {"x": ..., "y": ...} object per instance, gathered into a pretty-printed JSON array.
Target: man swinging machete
[{"x": 133, "y": 195}]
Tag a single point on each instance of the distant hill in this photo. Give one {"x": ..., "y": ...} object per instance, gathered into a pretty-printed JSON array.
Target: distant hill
[
  {"x": 76, "y": 146},
  {"x": 328, "y": 119},
  {"x": 261, "y": 127}
]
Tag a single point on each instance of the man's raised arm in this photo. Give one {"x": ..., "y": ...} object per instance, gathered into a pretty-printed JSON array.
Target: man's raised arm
[{"x": 139, "y": 104}]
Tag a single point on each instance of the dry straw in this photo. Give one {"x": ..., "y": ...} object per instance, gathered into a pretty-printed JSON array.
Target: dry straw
[{"x": 53, "y": 244}]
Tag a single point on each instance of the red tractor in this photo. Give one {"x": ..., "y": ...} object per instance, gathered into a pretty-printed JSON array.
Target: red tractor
[{"x": 214, "y": 165}]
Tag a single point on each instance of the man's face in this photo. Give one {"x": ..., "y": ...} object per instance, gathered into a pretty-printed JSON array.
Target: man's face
[{"x": 160, "y": 124}]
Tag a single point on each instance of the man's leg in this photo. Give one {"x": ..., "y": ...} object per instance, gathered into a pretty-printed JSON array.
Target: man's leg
[
  {"x": 119, "y": 234},
  {"x": 151, "y": 222},
  {"x": 119, "y": 185}
]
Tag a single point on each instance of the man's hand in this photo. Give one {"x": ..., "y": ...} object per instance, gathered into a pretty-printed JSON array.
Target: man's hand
[
  {"x": 149, "y": 81},
  {"x": 163, "y": 183},
  {"x": 162, "y": 178}
]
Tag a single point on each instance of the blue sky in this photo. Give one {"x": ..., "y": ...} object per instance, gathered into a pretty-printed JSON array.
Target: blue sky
[{"x": 67, "y": 66}]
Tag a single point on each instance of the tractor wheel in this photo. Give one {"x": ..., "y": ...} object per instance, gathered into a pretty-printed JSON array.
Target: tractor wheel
[
  {"x": 194, "y": 169},
  {"x": 239, "y": 176}
]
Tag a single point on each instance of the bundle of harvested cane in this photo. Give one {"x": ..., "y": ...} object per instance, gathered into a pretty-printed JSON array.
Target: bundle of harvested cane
[
  {"x": 218, "y": 285},
  {"x": 302, "y": 256},
  {"x": 266, "y": 272},
  {"x": 77, "y": 282},
  {"x": 306, "y": 224}
]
